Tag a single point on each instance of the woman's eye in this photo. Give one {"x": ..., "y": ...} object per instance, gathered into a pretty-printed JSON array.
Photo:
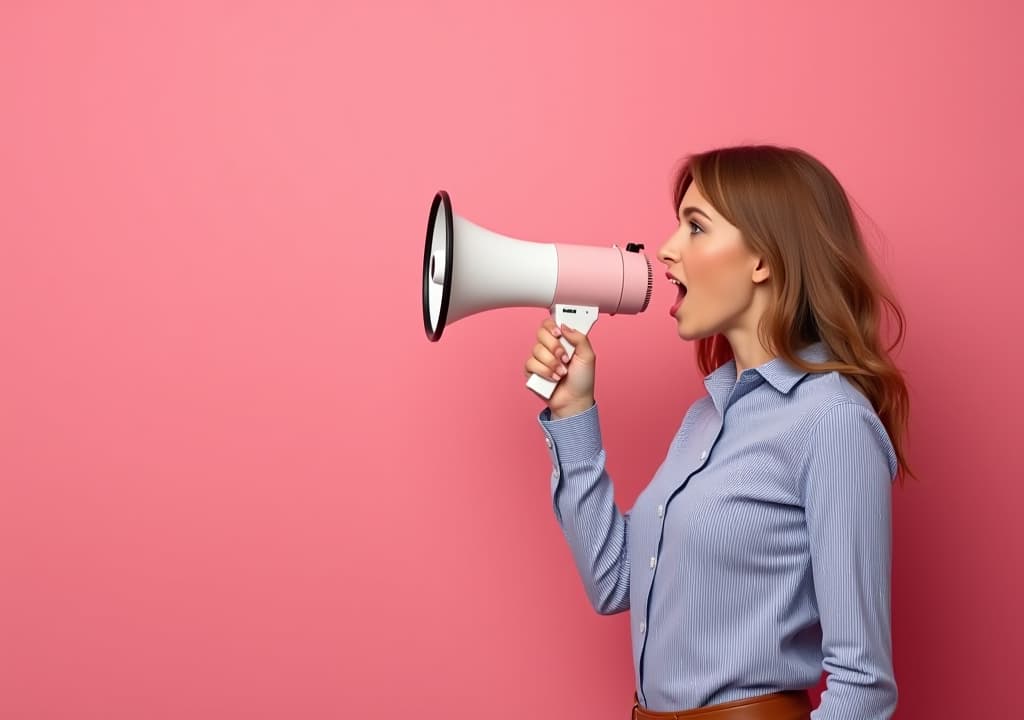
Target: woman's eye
[{"x": 693, "y": 226}]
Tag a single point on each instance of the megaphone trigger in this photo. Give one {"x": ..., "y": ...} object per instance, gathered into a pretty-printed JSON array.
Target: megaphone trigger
[{"x": 580, "y": 318}]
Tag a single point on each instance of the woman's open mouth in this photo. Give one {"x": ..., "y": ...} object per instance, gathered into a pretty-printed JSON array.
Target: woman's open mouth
[{"x": 682, "y": 294}]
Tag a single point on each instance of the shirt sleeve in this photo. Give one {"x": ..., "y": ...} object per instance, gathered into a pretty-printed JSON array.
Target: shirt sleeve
[
  {"x": 582, "y": 495},
  {"x": 848, "y": 497}
]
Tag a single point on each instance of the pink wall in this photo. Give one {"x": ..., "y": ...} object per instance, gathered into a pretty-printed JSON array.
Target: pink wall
[{"x": 235, "y": 478}]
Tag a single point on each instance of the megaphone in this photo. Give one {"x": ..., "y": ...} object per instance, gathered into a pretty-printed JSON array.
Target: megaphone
[{"x": 468, "y": 269}]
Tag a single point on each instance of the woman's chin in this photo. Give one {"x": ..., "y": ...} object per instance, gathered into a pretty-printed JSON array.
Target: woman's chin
[
  {"x": 683, "y": 333},
  {"x": 689, "y": 334}
]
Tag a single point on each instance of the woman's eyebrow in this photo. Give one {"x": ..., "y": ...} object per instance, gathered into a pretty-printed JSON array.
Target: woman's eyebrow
[{"x": 689, "y": 210}]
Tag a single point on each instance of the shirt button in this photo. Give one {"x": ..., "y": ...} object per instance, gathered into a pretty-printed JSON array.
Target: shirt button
[
  {"x": 653, "y": 562},
  {"x": 703, "y": 454},
  {"x": 643, "y": 627},
  {"x": 547, "y": 441},
  {"x": 661, "y": 510}
]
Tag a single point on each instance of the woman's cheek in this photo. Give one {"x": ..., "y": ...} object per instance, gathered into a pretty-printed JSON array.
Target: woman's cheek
[
  {"x": 700, "y": 273},
  {"x": 718, "y": 267}
]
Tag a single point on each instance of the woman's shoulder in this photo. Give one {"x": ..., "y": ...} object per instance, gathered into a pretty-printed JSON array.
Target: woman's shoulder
[
  {"x": 836, "y": 407},
  {"x": 821, "y": 392}
]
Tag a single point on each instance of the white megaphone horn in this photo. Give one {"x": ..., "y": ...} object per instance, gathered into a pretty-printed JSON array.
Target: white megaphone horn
[{"x": 468, "y": 269}]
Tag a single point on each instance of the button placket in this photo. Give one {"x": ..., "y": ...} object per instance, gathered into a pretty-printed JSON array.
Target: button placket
[{"x": 653, "y": 560}]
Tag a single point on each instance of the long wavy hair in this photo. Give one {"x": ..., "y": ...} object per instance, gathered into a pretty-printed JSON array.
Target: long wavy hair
[{"x": 793, "y": 211}]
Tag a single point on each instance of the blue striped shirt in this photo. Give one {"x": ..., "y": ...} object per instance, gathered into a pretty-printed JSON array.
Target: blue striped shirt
[{"x": 760, "y": 552}]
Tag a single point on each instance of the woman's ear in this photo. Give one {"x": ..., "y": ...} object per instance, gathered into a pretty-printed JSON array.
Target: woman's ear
[{"x": 761, "y": 272}]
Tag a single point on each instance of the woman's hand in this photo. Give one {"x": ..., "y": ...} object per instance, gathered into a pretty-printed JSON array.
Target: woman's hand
[{"x": 574, "y": 393}]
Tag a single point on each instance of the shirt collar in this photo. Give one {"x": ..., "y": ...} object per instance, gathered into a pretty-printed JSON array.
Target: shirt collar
[
  {"x": 779, "y": 373},
  {"x": 784, "y": 376}
]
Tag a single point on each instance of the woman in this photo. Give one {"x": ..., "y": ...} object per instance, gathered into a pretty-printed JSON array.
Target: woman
[{"x": 759, "y": 554}]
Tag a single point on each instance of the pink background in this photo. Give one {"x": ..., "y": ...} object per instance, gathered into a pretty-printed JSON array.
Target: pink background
[{"x": 236, "y": 480}]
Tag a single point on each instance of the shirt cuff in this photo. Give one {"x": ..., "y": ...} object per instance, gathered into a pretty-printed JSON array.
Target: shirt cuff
[{"x": 572, "y": 439}]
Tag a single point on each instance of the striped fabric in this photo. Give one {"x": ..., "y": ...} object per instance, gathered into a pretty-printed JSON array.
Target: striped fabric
[{"x": 760, "y": 552}]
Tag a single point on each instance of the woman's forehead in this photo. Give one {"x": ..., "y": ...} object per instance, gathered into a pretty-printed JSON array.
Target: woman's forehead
[{"x": 693, "y": 198}]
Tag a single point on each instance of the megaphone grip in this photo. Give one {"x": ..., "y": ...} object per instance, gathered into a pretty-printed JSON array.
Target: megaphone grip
[{"x": 580, "y": 318}]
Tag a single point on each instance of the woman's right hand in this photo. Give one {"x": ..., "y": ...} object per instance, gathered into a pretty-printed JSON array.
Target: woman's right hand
[{"x": 574, "y": 392}]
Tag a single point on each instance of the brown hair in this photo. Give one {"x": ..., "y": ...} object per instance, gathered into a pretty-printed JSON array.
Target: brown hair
[{"x": 792, "y": 210}]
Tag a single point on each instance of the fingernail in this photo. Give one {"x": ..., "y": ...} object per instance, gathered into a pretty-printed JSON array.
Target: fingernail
[
  {"x": 556, "y": 332},
  {"x": 562, "y": 370},
  {"x": 565, "y": 358}
]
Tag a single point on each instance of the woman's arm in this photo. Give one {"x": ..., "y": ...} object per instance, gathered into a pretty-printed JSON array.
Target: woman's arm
[
  {"x": 584, "y": 503},
  {"x": 847, "y": 500}
]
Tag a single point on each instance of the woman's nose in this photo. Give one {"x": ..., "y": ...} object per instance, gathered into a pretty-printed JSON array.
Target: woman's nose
[{"x": 665, "y": 255}]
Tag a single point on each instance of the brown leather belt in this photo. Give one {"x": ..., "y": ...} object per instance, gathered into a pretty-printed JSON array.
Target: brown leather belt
[{"x": 788, "y": 705}]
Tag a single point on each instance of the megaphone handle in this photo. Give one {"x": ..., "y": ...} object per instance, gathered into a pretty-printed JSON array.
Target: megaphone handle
[{"x": 578, "y": 317}]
